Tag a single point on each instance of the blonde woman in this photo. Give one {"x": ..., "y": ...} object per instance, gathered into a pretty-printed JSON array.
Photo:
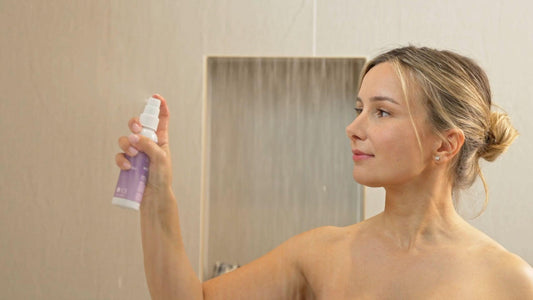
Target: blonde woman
[{"x": 423, "y": 120}]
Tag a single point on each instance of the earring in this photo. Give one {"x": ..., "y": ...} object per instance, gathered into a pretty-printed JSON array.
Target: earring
[{"x": 437, "y": 158}]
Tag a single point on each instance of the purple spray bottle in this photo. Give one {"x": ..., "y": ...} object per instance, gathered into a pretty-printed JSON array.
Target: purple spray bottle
[{"x": 131, "y": 183}]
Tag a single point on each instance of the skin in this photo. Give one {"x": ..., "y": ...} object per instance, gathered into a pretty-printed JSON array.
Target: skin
[{"x": 418, "y": 248}]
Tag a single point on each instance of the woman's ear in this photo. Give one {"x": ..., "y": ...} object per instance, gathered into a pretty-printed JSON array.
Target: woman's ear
[{"x": 450, "y": 145}]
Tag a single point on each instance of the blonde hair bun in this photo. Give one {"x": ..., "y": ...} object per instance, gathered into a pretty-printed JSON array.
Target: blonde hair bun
[{"x": 499, "y": 137}]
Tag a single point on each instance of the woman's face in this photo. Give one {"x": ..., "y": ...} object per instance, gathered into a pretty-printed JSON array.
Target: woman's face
[{"x": 385, "y": 148}]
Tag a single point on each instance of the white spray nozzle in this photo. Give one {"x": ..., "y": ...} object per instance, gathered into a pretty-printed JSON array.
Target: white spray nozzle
[{"x": 150, "y": 117}]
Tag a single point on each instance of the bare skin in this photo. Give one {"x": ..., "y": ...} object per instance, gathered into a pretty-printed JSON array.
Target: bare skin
[{"x": 418, "y": 248}]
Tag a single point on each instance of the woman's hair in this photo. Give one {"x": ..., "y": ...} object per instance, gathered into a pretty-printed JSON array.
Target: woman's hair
[{"x": 456, "y": 94}]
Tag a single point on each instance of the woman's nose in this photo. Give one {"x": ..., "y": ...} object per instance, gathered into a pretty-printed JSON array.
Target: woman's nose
[{"x": 355, "y": 130}]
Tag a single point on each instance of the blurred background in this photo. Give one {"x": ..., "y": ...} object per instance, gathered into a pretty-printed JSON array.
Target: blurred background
[{"x": 73, "y": 73}]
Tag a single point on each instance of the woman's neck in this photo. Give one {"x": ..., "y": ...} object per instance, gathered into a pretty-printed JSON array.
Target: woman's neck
[{"x": 419, "y": 217}]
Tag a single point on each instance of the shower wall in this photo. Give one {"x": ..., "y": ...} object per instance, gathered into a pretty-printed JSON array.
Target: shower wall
[
  {"x": 278, "y": 160},
  {"x": 74, "y": 72}
]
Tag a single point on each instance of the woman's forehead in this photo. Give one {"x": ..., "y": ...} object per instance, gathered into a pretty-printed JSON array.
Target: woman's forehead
[{"x": 381, "y": 81}]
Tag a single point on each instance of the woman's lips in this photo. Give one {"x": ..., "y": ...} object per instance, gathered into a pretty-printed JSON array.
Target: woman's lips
[{"x": 359, "y": 155}]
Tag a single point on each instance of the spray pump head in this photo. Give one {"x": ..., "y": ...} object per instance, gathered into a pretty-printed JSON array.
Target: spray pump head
[{"x": 150, "y": 117}]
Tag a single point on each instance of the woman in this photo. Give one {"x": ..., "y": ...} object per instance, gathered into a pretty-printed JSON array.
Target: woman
[{"x": 423, "y": 121}]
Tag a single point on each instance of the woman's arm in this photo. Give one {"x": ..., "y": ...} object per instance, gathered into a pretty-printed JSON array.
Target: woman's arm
[
  {"x": 276, "y": 275},
  {"x": 169, "y": 273}
]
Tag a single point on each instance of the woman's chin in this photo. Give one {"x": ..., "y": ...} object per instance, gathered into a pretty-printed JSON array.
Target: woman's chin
[{"x": 364, "y": 180}]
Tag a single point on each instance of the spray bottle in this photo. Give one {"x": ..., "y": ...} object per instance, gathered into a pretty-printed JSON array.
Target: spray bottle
[{"x": 131, "y": 183}]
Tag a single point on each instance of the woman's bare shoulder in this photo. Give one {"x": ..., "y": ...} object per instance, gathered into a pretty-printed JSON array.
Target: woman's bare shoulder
[
  {"x": 330, "y": 240},
  {"x": 320, "y": 236},
  {"x": 507, "y": 273},
  {"x": 330, "y": 235},
  {"x": 510, "y": 273}
]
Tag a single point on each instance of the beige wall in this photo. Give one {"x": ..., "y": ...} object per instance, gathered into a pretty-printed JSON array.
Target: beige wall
[{"x": 72, "y": 73}]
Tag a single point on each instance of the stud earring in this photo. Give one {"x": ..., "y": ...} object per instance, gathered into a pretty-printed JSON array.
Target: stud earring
[{"x": 437, "y": 158}]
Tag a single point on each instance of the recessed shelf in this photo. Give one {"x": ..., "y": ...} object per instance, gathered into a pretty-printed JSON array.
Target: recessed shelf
[{"x": 277, "y": 160}]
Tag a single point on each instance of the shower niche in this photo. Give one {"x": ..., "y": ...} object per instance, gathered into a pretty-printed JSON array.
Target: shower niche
[{"x": 276, "y": 161}]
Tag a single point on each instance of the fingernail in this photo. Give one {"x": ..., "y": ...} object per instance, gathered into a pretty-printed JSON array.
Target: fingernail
[
  {"x": 133, "y": 138},
  {"x": 136, "y": 128},
  {"x": 132, "y": 151},
  {"x": 126, "y": 165}
]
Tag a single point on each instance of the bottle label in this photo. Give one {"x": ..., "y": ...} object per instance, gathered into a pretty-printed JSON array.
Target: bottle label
[{"x": 131, "y": 183}]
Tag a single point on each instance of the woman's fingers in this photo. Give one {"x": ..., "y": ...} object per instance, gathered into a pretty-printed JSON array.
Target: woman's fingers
[
  {"x": 132, "y": 145},
  {"x": 126, "y": 146},
  {"x": 135, "y": 125},
  {"x": 146, "y": 145},
  {"x": 122, "y": 162}
]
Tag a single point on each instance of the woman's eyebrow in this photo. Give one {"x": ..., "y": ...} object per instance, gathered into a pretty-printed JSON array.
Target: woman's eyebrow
[{"x": 379, "y": 98}]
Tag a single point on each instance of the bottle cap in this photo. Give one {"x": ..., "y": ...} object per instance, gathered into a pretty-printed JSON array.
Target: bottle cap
[{"x": 150, "y": 117}]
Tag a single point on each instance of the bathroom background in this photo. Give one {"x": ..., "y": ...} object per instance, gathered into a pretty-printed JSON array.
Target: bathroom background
[{"x": 73, "y": 72}]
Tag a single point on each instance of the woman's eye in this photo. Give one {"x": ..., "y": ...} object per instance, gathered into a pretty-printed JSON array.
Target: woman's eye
[
  {"x": 381, "y": 113},
  {"x": 358, "y": 110}
]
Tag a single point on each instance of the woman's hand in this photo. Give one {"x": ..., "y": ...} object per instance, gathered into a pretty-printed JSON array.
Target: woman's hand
[{"x": 159, "y": 182}]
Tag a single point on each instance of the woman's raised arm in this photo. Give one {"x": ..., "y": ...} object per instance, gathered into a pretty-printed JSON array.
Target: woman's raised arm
[{"x": 169, "y": 273}]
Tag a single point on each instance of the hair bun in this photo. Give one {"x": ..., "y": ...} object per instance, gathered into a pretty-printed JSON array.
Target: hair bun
[{"x": 499, "y": 137}]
